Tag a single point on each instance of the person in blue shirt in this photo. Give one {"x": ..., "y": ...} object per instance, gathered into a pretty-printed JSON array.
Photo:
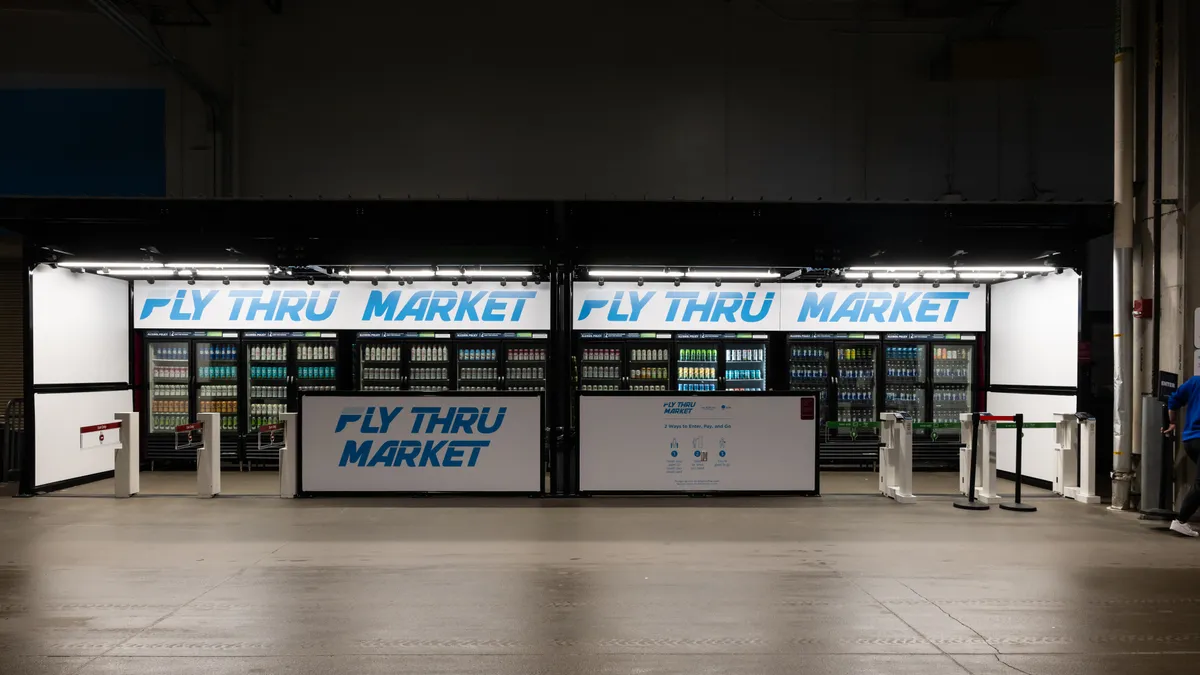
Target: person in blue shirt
[{"x": 1187, "y": 396}]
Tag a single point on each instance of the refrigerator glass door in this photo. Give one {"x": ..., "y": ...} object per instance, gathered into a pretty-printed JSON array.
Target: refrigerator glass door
[
  {"x": 696, "y": 366},
  {"x": 809, "y": 371},
  {"x": 856, "y": 383},
  {"x": 478, "y": 366},
  {"x": 905, "y": 379},
  {"x": 745, "y": 366},
  {"x": 600, "y": 366},
  {"x": 953, "y": 365},
  {"x": 375, "y": 361},
  {"x": 428, "y": 365},
  {"x": 216, "y": 381},
  {"x": 316, "y": 365},
  {"x": 649, "y": 365},
  {"x": 169, "y": 386},
  {"x": 524, "y": 366},
  {"x": 266, "y": 382}
]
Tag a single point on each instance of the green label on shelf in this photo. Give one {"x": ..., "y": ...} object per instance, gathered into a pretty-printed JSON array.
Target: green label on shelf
[
  {"x": 1027, "y": 425},
  {"x": 935, "y": 425},
  {"x": 852, "y": 425}
]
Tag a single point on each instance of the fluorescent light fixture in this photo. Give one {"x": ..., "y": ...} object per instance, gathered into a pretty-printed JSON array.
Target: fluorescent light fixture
[
  {"x": 448, "y": 272},
  {"x": 731, "y": 274},
  {"x": 1007, "y": 268},
  {"x": 634, "y": 273},
  {"x": 367, "y": 273},
  {"x": 986, "y": 275},
  {"x": 878, "y": 268},
  {"x": 111, "y": 265},
  {"x": 939, "y": 275},
  {"x": 226, "y": 266},
  {"x": 856, "y": 275},
  {"x": 145, "y": 272},
  {"x": 412, "y": 272},
  {"x": 499, "y": 273},
  {"x": 895, "y": 275},
  {"x": 232, "y": 274}
]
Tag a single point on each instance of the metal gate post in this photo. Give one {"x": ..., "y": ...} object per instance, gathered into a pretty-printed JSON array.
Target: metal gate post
[
  {"x": 1087, "y": 461},
  {"x": 208, "y": 456},
  {"x": 986, "y": 489},
  {"x": 127, "y": 477},
  {"x": 1066, "y": 445},
  {"x": 287, "y": 457},
  {"x": 895, "y": 457}
]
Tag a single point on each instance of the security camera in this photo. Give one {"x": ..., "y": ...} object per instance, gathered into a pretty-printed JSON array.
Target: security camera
[
  {"x": 454, "y": 283},
  {"x": 676, "y": 282},
  {"x": 266, "y": 282},
  {"x": 975, "y": 285},
  {"x": 149, "y": 281},
  {"x": 895, "y": 284},
  {"x": 524, "y": 282},
  {"x": 225, "y": 281},
  {"x": 346, "y": 281},
  {"x": 470, "y": 280},
  {"x": 191, "y": 282},
  {"x": 504, "y": 282},
  {"x": 374, "y": 282},
  {"x": 641, "y": 281},
  {"x": 311, "y": 282},
  {"x": 937, "y": 284},
  {"x": 757, "y": 283},
  {"x": 858, "y": 284},
  {"x": 718, "y": 283},
  {"x": 1058, "y": 270},
  {"x": 601, "y": 282},
  {"x": 819, "y": 284}
]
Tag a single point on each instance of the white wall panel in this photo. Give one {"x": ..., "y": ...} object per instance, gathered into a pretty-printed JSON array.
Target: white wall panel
[
  {"x": 58, "y": 419},
  {"x": 1038, "y": 457},
  {"x": 80, "y": 328},
  {"x": 1035, "y": 331}
]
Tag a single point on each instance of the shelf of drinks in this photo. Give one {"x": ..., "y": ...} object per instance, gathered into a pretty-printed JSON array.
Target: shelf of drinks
[
  {"x": 383, "y": 379},
  {"x": 262, "y": 360},
  {"x": 708, "y": 361},
  {"x": 316, "y": 360},
  {"x": 649, "y": 379},
  {"x": 745, "y": 360},
  {"x": 602, "y": 379},
  {"x": 525, "y": 389},
  {"x": 428, "y": 379},
  {"x": 395, "y": 361},
  {"x": 745, "y": 389},
  {"x": 316, "y": 379},
  {"x": 600, "y": 387},
  {"x": 426, "y": 389},
  {"x": 162, "y": 360},
  {"x": 745, "y": 379},
  {"x": 381, "y": 388},
  {"x": 525, "y": 379},
  {"x": 479, "y": 379},
  {"x": 648, "y": 387},
  {"x": 479, "y": 388},
  {"x": 316, "y": 387},
  {"x": 697, "y": 379}
]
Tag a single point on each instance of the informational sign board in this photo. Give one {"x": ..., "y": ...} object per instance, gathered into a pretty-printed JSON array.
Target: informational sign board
[
  {"x": 444, "y": 443},
  {"x": 100, "y": 435},
  {"x": 291, "y": 305},
  {"x": 697, "y": 443},
  {"x": 839, "y": 307}
]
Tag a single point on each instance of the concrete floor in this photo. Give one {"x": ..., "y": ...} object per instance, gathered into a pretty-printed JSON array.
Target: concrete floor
[{"x": 831, "y": 585}]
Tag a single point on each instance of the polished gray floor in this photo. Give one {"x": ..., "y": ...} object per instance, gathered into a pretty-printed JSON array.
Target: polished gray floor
[{"x": 833, "y": 585}]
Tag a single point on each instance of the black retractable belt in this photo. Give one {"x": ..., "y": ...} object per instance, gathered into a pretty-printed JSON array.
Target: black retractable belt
[
  {"x": 969, "y": 502},
  {"x": 1016, "y": 504}
]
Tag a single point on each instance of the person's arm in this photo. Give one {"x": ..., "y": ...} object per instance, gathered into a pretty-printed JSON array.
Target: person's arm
[{"x": 1179, "y": 399}]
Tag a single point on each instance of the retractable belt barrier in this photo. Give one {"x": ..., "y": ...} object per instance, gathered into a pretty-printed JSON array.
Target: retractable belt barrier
[{"x": 895, "y": 457}]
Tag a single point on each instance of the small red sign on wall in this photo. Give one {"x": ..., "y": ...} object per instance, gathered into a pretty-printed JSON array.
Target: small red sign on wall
[{"x": 808, "y": 408}]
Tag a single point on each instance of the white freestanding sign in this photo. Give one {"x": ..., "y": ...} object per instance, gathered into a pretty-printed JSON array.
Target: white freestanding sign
[
  {"x": 326, "y": 305},
  {"x": 657, "y": 443},
  {"x": 402, "y": 443}
]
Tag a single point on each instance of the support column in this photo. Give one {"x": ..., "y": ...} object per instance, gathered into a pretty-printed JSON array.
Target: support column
[{"x": 1123, "y": 255}]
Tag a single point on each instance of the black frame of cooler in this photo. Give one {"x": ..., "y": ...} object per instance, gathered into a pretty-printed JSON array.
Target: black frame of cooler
[
  {"x": 625, "y": 364},
  {"x": 159, "y": 446},
  {"x": 848, "y": 446}
]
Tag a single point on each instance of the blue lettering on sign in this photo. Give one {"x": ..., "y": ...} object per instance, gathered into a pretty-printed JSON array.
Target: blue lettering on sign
[
  {"x": 439, "y": 452},
  {"x": 282, "y": 306},
  {"x": 679, "y": 407},
  {"x": 684, "y": 306},
  {"x": 425, "y": 305},
  {"x": 881, "y": 306}
]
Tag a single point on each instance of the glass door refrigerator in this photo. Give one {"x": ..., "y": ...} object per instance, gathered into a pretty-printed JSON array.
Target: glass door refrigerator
[
  {"x": 906, "y": 383},
  {"x": 600, "y": 364},
  {"x": 426, "y": 364},
  {"x": 745, "y": 364},
  {"x": 648, "y": 363},
  {"x": 168, "y": 393},
  {"x": 478, "y": 364},
  {"x": 217, "y": 376},
  {"x": 315, "y": 363},
  {"x": 697, "y": 362},
  {"x": 379, "y": 361},
  {"x": 809, "y": 370},
  {"x": 266, "y": 376},
  {"x": 525, "y": 363},
  {"x": 953, "y": 385},
  {"x": 856, "y": 370}
]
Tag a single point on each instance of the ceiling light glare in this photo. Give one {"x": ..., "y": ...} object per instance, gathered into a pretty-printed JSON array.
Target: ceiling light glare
[
  {"x": 624, "y": 273},
  {"x": 857, "y": 275},
  {"x": 891, "y": 274},
  {"x": 110, "y": 265},
  {"x": 146, "y": 272},
  {"x": 731, "y": 274},
  {"x": 500, "y": 273},
  {"x": 228, "y": 266}
]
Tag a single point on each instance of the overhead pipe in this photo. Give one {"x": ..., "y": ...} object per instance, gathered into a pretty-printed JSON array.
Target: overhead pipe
[{"x": 1123, "y": 122}]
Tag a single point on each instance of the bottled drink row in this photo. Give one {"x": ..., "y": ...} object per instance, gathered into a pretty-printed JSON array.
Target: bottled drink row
[
  {"x": 951, "y": 396},
  {"x": 261, "y": 420},
  {"x": 382, "y": 373},
  {"x": 477, "y": 374},
  {"x": 857, "y": 373},
  {"x": 951, "y": 354},
  {"x": 521, "y": 354},
  {"x": 602, "y": 355},
  {"x": 273, "y": 352},
  {"x": 224, "y": 407},
  {"x": 316, "y": 372},
  {"x": 806, "y": 352},
  {"x": 216, "y": 352},
  {"x": 218, "y": 391},
  {"x": 810, "y": 373},
  {"x": 648, "y": 373},
  {"x": 943, "y": 417},
  {"x": 697, "y": 372},
  {"x": 743, "y": 374},
  {"x": 169, "y": 422},
  {"x": 697, "y": 387},
  {"x": 268, "y": 392},
  {"x": 900, "y": 352},
  {"x": 395, "y": 388},
  {"x": 429, "y": 373},
  {"x": 857, "y": 416},
  {"x": 903, "y": 396},
  {"x": 161, "y": 390},
  {"x": 490, "y": 387},
  {"x": 169, "y": 353},
  {"x": 612, "y": 372},
  {"x": 427, "y": 388},
  {"x": 217, "y": 372},
  {"x": 267, "y": 410},
  {"x": 170, "y": 372},
  {"x": 656, "y": 354},
  {"x": 855, "y": 354},
  {"x": 476, "y": 354},
  {"x": 317, "y": 387},
  {"x": 747, "y": 388},
  {"x": 856, "y": 395},
  {"x": 538, "y": 388},
  {"x": 904, "y": 370},
  {"x": 313, "y": 351},
  {"x": 951, "y": 372},
  {"x": 526, "y": 373},
  {"x": 647, "y": 387},
  {"x": 600, "y": 387},
  {"x": 689, "y": 354},
  {"x": 164, "y": 406},
  {"x": 755, "y": 354},
  {"x": 268, "y": 372}
]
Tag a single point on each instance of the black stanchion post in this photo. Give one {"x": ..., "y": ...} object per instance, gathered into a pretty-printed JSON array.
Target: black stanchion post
[
  {"x": 1016, "y": 504},
  {"x": 969, "y": 503}
]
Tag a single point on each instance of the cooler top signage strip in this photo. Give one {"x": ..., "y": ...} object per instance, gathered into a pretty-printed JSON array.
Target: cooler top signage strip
[
  {"x": 831, "y": 307},
  {"x": 331, "y": 305}
]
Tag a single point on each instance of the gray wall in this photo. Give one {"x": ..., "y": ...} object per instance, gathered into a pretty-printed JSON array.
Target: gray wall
[{"x": 623, "y": 98}]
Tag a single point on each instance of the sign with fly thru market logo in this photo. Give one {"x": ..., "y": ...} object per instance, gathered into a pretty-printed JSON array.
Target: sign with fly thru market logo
[{"x": 421, "y": 443}]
